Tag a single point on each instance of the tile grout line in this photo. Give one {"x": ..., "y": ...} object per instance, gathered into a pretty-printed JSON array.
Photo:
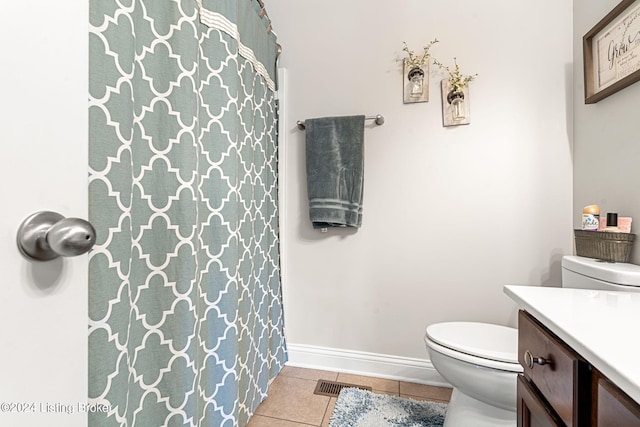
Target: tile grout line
[
  {"x": 288, "y": 421},
  {"x": 326, "y": 408}
]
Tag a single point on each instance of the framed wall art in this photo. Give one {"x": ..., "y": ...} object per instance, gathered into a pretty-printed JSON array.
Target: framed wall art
[{"x": 611, "y": 51}]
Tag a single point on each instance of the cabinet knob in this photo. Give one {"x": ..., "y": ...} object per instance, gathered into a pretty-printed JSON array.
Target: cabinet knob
[{"x": 530, "y": 360}]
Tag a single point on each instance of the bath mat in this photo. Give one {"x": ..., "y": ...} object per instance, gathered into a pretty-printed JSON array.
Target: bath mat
[{"x": 361, "y": 408}]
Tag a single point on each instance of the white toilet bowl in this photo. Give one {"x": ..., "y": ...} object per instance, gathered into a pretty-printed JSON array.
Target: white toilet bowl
[{"x": 480, "y": 361}]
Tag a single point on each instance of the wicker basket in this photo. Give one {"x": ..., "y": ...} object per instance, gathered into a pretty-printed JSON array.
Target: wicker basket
[{"x": 615, "y": 247}]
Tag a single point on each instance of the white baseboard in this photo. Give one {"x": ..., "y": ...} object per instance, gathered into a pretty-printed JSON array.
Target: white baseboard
[{"x": 419, "y": 371}]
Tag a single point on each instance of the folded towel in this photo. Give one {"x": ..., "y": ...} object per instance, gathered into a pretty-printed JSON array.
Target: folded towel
[{"x": 335, "y": 170}]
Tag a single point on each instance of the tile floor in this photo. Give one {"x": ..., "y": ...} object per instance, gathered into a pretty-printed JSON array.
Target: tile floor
[{"x": 291, "y": 402}]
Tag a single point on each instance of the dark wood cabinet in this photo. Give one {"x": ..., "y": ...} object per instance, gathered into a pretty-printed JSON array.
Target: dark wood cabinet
[
  {"x": 559, "y": 388},
  {"x": 611, "y": 406},
  {"x": 533, "y": 411}
]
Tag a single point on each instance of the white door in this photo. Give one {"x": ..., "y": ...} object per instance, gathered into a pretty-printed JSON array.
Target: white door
[{"x": 43, "y": 166}]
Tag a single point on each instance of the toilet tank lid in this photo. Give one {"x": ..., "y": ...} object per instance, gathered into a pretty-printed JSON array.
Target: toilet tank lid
[
  {"x": 619, "y": 273},
  {"x": 484, "y": 340}
]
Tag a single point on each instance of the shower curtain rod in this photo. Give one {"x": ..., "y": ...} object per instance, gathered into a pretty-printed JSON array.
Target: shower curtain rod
[{"x": 379, "y": 118}]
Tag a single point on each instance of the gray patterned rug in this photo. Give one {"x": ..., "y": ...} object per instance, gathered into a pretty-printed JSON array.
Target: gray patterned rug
[{"x": 361, "y": 408}]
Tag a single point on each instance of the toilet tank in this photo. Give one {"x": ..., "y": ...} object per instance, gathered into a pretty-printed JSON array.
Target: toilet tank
[{"x": 589, "y": 273}]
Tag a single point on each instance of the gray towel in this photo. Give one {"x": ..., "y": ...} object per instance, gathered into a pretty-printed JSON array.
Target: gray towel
[{"x": 335, "y": 170}]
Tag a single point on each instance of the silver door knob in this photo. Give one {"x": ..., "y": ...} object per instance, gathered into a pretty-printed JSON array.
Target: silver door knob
[{"x": 47, "y": 235}]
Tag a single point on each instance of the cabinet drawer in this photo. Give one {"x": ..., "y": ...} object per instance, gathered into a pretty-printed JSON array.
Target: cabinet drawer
[
  {"x": 551, "y": 366},
  {"x": 532, "y": 410}
]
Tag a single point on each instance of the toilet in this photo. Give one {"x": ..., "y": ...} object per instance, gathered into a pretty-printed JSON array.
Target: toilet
[{"x": 480, "y": 360}]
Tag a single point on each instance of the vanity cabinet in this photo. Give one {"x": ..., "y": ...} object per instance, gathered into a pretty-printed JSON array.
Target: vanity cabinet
[
  {"x": 533, "y": 410},
  {"x": 559, "y": 388},
  {"x": 611, "y": 406}
]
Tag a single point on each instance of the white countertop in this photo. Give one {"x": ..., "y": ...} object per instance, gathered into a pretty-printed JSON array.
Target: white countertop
[{"x": 602, "y": 326}]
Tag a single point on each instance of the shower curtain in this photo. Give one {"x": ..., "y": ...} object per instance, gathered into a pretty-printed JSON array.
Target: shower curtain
[{"x": 185, "y": 309}]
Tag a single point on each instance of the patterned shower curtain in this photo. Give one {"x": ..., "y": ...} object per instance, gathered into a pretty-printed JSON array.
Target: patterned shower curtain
[{"x": 186, "y": 322}]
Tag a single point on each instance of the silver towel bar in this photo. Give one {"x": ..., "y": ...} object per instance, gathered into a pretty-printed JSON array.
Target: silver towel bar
[{"x": 379, "y": 119}]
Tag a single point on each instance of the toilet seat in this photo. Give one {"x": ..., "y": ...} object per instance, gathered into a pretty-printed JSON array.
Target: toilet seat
[{"x": 492, "y": 346}]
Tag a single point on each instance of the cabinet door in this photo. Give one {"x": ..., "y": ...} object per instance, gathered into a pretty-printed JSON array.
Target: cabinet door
[
  {"x": 533, "y": 411},
  {"x": 611, "y": 406},
  {"x": 560, "y": 374}
]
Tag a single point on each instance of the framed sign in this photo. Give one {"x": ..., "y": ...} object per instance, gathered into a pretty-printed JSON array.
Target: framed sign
[{"x": 611, "y": 52}]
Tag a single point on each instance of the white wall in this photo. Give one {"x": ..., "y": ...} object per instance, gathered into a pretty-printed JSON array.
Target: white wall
[
  {"x": 607, "y": 146},
  {"x": 43, "y": 308},
  {"x": 450, "y": 214}
]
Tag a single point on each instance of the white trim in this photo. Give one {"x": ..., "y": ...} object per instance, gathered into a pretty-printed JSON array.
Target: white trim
[
  {"x": 219, "y": 22},
  {"x": 281, "y": 93},
  {"x": 386, "y": 366}
]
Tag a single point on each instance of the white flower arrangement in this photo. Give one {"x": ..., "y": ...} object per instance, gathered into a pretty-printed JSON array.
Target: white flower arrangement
[
  {"x": 456, "y": 79},
  {"x": 417, "y": 61}
]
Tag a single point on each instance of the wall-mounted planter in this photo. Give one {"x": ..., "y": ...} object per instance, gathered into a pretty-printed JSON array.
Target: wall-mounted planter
[
  {"x": 455, "y": 105},
  {"x": 416, "y": 83}
]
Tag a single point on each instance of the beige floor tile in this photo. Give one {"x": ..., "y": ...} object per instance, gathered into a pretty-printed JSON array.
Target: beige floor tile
[
  {"x": 327, "y": 414},
  {"x": 428, "y": 392},
  {"x": 292, "y": 399},
  {"x": 291, "y": 402},
  {"x": 261, "y": 421},
  {"x": 308, "y": 374},
  {"x": 377, "y": 384}
]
